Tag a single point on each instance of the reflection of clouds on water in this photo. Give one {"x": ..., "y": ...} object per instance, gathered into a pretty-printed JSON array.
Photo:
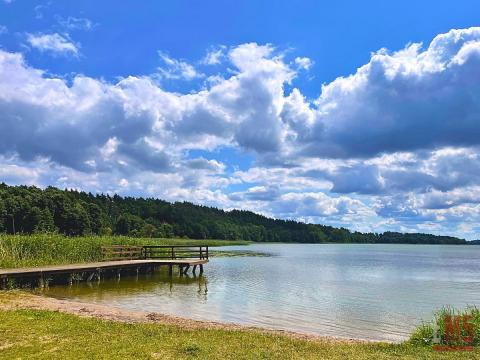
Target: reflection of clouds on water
[{"x": 350, "y": 290}]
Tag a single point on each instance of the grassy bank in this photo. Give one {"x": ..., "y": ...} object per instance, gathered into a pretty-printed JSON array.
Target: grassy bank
[
  {"x": 29, "y": 329},
  {"x": 33, "y": 327},
  {"x": 38, "y": 334},
  {"x": 50, "y": 249},
  {"x": 35, "y": 334}
]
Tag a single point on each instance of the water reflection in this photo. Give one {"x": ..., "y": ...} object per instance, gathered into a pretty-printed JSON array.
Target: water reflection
[{"x": 151, "y": 283}]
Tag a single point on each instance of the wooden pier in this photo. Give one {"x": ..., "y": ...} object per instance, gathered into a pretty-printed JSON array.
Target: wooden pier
[{"x": 117, "y": 260}]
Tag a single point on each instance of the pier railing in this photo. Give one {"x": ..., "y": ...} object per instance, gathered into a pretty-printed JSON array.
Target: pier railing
[
  {"x": 175, "y": 252},
  {"x": 122, "y": 252},
  {"x": 166, "y": 252}
]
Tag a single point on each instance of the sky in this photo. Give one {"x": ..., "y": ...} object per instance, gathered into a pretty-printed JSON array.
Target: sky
[{"x": 364, "y": 115}]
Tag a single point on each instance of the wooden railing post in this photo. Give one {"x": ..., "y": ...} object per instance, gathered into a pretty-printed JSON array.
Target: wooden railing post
[{"x": 177, "y": 252}]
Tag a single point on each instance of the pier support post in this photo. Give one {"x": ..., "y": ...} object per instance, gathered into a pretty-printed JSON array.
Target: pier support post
[
  {"x": 194, "y": 271},
  {"x": 41, "y": 282},
  {"x": 186, "y": 269},
  {"x": 201, "y": 269},
  {"x": 180, "y": 267},
  {"x": 90, "y": 277},
  {"x": 170, "y": 270}
]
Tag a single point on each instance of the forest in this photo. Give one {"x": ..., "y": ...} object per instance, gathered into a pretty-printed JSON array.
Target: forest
[{"x": 29, "y": 209}]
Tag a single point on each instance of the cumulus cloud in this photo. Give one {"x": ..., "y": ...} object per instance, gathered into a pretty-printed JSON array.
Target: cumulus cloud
[
  {"x": 257, "y": 193},
  {"x": 91, "y": 125},
  {"x": 317, "y": 206},
  {"x": 15, "y": 174},
  {"x": 393, "y": 146},
  {"x": 3, "y": 29},
  {"x": 53, "y": 43},
  {"x": 201, "y": 163},
  {"x": 406, "y": 100}
]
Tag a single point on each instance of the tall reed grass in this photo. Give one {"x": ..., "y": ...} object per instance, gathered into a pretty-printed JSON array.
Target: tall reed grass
[{"x": 53, "y": 249}]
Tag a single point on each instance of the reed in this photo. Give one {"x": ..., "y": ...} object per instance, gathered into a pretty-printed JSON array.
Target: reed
[{"x": 54, "y": 249}]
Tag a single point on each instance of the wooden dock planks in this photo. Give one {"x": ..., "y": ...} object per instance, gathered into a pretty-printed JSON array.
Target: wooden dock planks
[
  {"x": 117, "y": 259},
  {"x": 104, "y": 265}
]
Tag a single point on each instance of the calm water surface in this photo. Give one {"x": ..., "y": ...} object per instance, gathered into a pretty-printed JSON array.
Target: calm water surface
[{"x": 362, "y": 291}]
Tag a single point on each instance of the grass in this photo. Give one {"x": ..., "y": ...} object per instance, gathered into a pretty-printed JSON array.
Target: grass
[
  {"x": 38, "y": 334},
  {"x": 52, "y": 249},
  {"x": 450, "y": 327}
]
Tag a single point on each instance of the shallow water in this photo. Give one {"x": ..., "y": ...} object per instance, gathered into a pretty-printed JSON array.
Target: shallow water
[{"x": 364, "y": 291}]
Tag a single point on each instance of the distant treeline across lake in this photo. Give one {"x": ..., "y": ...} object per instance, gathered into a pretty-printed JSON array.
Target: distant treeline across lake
[{"x": 28, "y": 209}]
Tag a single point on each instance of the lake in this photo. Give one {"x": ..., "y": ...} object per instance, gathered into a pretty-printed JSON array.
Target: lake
[{"x": 367, "y": 291}]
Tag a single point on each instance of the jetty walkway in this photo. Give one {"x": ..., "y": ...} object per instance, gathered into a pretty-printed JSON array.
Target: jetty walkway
[{"x": 118, "y": 259}]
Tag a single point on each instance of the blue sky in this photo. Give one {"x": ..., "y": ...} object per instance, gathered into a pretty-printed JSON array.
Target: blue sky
[
  {"x": 337, "y": 35},
  {"x": 357, "y": 114}
]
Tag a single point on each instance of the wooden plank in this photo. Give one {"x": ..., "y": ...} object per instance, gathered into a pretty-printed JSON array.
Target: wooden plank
[
  {"x": 117, "y": 264},
  {"x": 124, "y": 252},
  {"x": 121, "y": 252}
]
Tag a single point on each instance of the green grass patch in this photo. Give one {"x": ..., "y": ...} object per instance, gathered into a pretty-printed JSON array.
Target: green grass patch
[
  {"x": 52, "y": 249},
  {"x": 30, "y": 334}
]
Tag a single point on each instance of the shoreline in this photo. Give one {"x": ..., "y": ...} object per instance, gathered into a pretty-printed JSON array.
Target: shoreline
[{"x": 17, "y": 300}]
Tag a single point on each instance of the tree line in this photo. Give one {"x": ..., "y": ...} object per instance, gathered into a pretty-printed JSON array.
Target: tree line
[{"x": 28, "y": 209}]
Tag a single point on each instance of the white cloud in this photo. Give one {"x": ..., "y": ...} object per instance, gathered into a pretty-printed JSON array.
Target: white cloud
[
  {"x": 74, "y": 23},
  {"x": 406, "y": 100},
  {"x": 177, "y": 69},
  {"x": 3, "y": 29},
  {"x": 15, "y": 174},
  {"x": 214, "y": 56},
  {"x": 204, "y": 164},
  {"x": 135, "y": 122},
  {"x": 303, "y": 63},
  {"x": 54, "y": 43},
  {"x": 39, "y": 9},
  {"x": 393, "y": 146}
]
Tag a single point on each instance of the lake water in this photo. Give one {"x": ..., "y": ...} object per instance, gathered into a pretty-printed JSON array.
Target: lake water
[{"x": 375, "y": 292}]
